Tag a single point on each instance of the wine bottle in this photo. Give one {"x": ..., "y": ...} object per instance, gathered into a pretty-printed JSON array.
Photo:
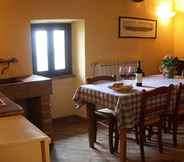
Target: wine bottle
[{"x": 139, "y": 74}]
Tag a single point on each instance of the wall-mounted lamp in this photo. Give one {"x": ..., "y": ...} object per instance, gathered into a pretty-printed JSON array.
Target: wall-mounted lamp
[
  {"x": 138, "y": 0},
  {"x": 165, "y": 11}
]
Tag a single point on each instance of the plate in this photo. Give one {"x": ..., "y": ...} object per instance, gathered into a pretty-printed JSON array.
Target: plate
[{"x": 122, "y": 89}]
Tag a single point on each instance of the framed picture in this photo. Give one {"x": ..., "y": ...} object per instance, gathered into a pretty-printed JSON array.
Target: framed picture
[{"x": 131, "y": 27}]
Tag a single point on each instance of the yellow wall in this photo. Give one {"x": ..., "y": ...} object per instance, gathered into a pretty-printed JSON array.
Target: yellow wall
[
  {"x": 179, "y": 35},
  {"x": 179, "y": 29},
  {"x": 101, "y": 37},
  {"x": 179, "y": 5},
  {"x": 107, "y": 46}
]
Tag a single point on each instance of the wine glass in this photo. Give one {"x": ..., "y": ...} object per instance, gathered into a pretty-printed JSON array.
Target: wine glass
[
  {"x": 182, "y": 73},
  {"x": 124, "y": 71},
  {"x": 129, "y": 72},
  {"x": 121, "y": 72}
]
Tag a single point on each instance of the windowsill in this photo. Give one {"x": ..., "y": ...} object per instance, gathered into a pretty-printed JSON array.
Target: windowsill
[{"x": 64, "y": 76}]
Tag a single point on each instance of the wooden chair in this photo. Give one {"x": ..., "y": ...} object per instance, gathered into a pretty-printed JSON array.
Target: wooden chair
[
  {"x": 151, "y": 114},
  {"x": 105, "y": 116},
  {"x": 178, "y": 111}
]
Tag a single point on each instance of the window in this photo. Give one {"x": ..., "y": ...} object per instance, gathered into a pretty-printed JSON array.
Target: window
[{"x": 51, "y": 49}]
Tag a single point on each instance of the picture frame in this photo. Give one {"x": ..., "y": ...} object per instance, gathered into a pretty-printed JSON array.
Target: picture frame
[{"x": 132, "y": 27}]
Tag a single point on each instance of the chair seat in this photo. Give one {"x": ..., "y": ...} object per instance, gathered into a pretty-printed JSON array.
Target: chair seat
[
  {"x": 151, "y": 120},
  {"x": 105, "y": 113},
  {"x": 181, "y": 111},
  {"x": 104, "y": 116}
]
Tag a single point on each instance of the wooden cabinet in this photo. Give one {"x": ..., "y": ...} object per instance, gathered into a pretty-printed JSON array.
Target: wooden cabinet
[{"x": 21, "y": 141}]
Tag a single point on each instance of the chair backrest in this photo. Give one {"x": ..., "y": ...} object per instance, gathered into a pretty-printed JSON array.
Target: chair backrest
[
  {"x": 99, "y": 79},
  {"x": 155, "y": 102},
  {"x": 109, "y": 69},
  {"x": 179, "y": 98}
]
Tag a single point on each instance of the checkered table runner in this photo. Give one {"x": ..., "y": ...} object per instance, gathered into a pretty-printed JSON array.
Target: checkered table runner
[{"x": 125, "y": 105}]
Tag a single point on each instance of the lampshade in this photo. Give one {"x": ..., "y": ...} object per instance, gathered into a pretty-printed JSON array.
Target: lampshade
[{"x": 138, "y": 0}]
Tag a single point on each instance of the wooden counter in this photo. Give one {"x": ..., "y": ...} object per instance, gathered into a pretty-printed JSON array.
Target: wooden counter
[
  {"x": 21, "y": 141},
  {"x": 10, "y": 107}
]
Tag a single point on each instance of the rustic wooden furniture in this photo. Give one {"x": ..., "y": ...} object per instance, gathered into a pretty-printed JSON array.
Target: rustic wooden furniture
[
  {"x": 126, "y": 104},
  {"x": 35, "y": 91},
  {"x": 105, "y": 116},
  {"x": 152, "y": 113},
  {"x": 178, "y": 112},
  {"x": 9, "y": 108},
  {"x": 21, "y": 141}
]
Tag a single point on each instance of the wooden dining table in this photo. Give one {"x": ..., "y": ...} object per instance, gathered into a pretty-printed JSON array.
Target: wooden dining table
[{"x": 125, "y": 105}]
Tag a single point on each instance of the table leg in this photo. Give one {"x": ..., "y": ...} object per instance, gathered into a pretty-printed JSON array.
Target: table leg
[
  {"x": 45, "y": 151},
  {"x": 91, "y": 124},
  {"x": 123, "y": 144}
]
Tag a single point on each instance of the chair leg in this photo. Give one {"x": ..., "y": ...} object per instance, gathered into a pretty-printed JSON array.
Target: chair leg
[
  {"x": 137, "y": 134},
  {"x": 111, "y": 130},
  {"x": 175, "y": 126},
  {"x": 116, "y": 142},
  {"x": 142, "y": 137},
  {"x": 95, "y": 130},
  {"x": 150, "y": 132},
  {"x": 160, "y": 137},
  {"x": 169, "y": 124},
  {"x": 165, "y": 122}
]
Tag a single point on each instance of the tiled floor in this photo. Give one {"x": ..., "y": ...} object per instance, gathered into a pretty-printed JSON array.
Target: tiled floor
[{"x": 71, "y": 145}]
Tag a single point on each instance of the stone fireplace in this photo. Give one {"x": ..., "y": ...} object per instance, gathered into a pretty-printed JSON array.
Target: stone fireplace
[{"x": 33, "y": 94}]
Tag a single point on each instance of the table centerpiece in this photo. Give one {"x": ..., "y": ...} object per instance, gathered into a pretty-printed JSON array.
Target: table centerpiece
[{"x": 169, "y": 66}]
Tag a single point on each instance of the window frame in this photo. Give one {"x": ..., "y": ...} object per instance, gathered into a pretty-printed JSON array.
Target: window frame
[{"x": 50, "y": 27}]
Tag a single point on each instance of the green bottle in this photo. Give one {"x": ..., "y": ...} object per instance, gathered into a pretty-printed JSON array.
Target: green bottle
[{"x": 139, "y": 74}]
